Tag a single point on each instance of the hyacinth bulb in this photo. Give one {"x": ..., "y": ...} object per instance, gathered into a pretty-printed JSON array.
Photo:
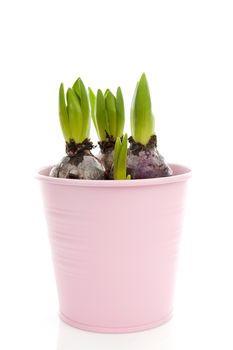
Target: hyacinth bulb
[
  {"x": 74, "y": 115},
  {"x": 144, "y": 160},
  {"x": 108, "y": 115}
]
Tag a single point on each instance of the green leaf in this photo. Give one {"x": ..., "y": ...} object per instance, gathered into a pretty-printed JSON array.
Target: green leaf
[
  {"x": 106, "y": 92},
  {"x": 142, "y": 119},
  {"x": 110, "y": 103},
  {"x": 81, "y": 93},
  {"x": 120, "y": 109},
  {"x": 120, "y": 159},
  {"x": 92, "y": 99},
  {"x": 101, "y": 115},
  {"x": 76, "y": 88},
  {"x": 132, "y": 112},
  {"x": 63, "y": 115},
  {"x": 75, "y": 115},
  {"x": 116, "y": 155}
]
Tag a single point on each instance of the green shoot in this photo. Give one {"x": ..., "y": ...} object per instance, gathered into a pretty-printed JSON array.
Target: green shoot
[
  {"x": 110, "y": 103},
  {"x": 74, "y": 112},
  {"x": 108, "y": 113},
  {"x": 63, "y": 115},
  {"x": 120, "y": 159},
  {"x": 75, "y": 115},
  {"x": 92, "y": 99},
  {"x": 120, "y": 110},
  {"x": 100, "y": 115},
  {"x": 81, "y": 93},
  {"x": 142, "y": 119}
]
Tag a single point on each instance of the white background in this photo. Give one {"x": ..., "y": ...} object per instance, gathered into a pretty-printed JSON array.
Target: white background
[{"x": 186, "y": 49}]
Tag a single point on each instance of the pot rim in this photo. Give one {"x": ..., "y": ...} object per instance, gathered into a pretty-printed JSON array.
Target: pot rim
[{"x": 181, "y": 173}]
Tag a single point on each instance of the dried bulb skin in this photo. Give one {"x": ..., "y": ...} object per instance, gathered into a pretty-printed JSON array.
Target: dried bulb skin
[
  {"x": 145, "y": 161},
  {"x": 106, "y": 154},
  {"x": 79, "y": 163},
  {"x": 107, "y": 160},
  {"x": 86, "y": 167}
]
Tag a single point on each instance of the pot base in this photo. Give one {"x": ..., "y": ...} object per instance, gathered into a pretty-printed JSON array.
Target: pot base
[{"x": 100, "y": 329}]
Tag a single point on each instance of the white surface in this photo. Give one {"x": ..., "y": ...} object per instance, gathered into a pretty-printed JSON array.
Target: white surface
[{"x": 185, "y": 47}]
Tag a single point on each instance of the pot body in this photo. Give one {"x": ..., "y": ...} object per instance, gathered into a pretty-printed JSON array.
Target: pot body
[{"x": 114, "y": 247}]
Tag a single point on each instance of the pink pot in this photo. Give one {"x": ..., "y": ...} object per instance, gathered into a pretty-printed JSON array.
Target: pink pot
[{"x": 114, "y": 246}]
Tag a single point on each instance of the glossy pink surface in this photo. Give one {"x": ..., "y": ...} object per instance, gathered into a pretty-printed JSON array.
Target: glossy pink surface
[{"x": 114, "y": 246}]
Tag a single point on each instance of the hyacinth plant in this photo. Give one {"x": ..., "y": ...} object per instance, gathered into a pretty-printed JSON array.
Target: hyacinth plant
[
  {"x": 120, "y": 159},
  {"x": 74, "y": 113},
  {"x": 144, "y": 160},
  {"x": 108, "y": 115}
]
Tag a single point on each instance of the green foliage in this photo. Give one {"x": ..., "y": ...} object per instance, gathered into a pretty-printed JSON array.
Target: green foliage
[
  {"x": 63, "y": 115},
  {"x": 120, "y": 159},
  {"x": 142, "y": 119},
  {"x": 75, "y": 115},
  {"x": 81, "y": 93},
  {"x": 120, "y": 110},
  {"x": 74, "y": 112},
  {"x": 108, "y": 113},
  {"x": 92, "y": 99},
  {"x": 110, "y": 106},
  {"x": 100, "y": 115}
]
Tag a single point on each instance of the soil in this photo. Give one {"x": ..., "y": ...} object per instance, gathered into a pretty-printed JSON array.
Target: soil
[
  {"x": 107, "y": 145},
  {"x": 73, "y": 148},
  {"x": 136, "y": 147}
]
